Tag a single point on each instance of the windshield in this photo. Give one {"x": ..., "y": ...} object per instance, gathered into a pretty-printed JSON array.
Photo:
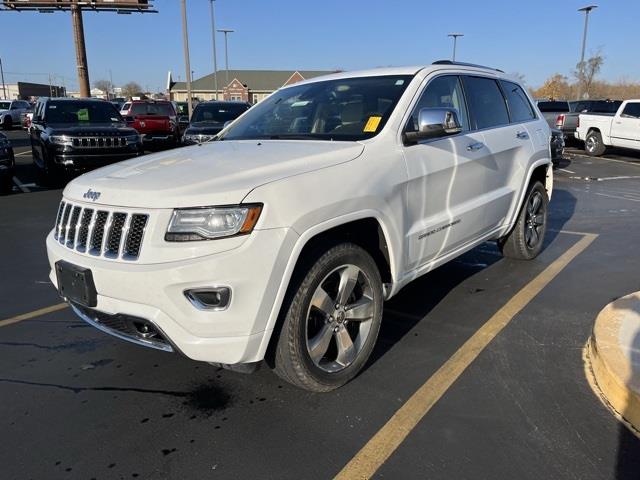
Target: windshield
[
  {"x": 344, "y": 109},
  {"x": 5, "y": 105},
  {"x": 82, "y": 112},
  {"x": 182, "y": 108},
  {"x": 218, "y": 112},
  {"x": 163, "y": 109},
  {"x": 553, "y": 106}
]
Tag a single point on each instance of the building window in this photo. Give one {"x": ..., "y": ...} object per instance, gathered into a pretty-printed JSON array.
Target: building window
[{"x": 236, "y": 98}]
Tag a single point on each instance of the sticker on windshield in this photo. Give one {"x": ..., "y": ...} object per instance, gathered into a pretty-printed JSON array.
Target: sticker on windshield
[
  {"x": 399, "y": 82},
  {"x": 372, "y": 124},
  {"x": 83, "y": 115}
]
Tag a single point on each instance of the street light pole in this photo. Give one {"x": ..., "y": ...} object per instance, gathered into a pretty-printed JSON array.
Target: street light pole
[
  {"x": 81, "y": 51},
  {"x": 215, "y": 54},
  {"x": 226, "y": 50},
  {"x": 185, "y": 36},
  {"x": 4, "y": 88},
  {"x": 455, "y": 43},
  {"x": 586, "y": 11}
]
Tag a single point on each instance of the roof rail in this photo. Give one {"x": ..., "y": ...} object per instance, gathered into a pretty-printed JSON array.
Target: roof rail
[{"x": 463, "y": 64}]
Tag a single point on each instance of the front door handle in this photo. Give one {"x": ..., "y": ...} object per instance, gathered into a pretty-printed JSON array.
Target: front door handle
[
  {"x": 522, "y": 135},
  {"x": 475, "y": 146}
]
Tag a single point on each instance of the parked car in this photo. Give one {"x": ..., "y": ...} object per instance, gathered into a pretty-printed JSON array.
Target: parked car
[
  {"x": 282, "y": 239},
  {"x": 7, "y": 164},
  {"x": 550, "y": 110},
  {"x": 209, "y": 118},
  {"x": 76, "y": 135},
  {"x": 11, "y": 112},
  {"x": 557, "y": 145},
  {"x": 154, "y": 120},
  {"x": 568, "y": 122},
  {"x": 182, "y": 110},
  {"x": 619, "y": 129}
]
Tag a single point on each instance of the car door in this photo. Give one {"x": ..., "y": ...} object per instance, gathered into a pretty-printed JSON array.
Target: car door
[
  {"x": 625, "y": 128},
  {"x": 445, "y": 179},
  {"x": 509, "y": 133},
  {"x": 35, "y": 131}
]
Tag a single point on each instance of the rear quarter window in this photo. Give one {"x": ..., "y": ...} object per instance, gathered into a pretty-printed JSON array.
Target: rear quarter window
[{"x": 520, "y": 108}]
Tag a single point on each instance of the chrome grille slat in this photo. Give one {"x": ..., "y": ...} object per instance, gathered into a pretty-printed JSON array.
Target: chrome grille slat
[
  {"x": 59, "y": 220},
  {"x": 100, "y": 232},
  {"x": 83, "y": 229},
  {"x": 114, "y": 237},
  {"x": 72, "y": 227},
  {"x": 135, "y": 234},
  {"x": 97, "y": 235},
  {"x": 62, "y": 236}
]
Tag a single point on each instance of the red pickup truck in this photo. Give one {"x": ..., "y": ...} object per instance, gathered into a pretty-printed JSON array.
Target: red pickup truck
[{"x": 155, "y": 121}]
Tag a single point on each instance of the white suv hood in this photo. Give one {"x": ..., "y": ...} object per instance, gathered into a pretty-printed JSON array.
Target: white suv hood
[{"x": 219, "y": 173}]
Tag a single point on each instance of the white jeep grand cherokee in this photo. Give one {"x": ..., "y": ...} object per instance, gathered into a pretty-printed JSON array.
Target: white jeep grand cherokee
[{"x": 280, "y": 240}]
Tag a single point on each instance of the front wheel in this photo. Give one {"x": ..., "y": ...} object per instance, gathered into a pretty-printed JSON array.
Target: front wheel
[
  {"x": 525, "y": 241},
  {"x": 7, "y": 123},
  {"x": 332, "y": 322}
]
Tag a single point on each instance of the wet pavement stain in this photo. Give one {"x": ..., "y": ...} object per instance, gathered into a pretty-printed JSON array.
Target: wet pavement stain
[
  {"x": 205, "y": 398},
  {"x": 81, "y": 346},
  {"x": 167, "y": 451}
]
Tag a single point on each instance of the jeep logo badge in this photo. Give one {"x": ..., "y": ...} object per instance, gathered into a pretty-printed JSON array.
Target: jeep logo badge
[{"x": 91, "y": 195}]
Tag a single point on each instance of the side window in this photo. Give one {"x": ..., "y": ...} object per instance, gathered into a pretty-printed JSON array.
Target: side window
[
  {"x": 519, "y": 107},
  {"x": 632, "y": 110},
  {"x": 441, "y": 92},
  {"x": 487, "y": 107},
  {"x": 126, "y": 106}
]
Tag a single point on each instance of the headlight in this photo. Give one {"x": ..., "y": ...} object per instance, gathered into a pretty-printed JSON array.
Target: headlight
[
  {"x": 61, "y": 140},
  {"x": 212, "y": 222}
]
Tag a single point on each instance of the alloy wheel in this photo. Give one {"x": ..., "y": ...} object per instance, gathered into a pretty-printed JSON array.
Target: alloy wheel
[
  {"x": 339, "y": 318},
  {"x": 534, "y": 220}
]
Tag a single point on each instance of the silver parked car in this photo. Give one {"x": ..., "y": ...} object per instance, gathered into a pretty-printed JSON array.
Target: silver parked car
[{"x": 11, "y": 112}]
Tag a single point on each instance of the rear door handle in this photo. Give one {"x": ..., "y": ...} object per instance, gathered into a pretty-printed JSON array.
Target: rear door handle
[
  {"x": 522, "y": 135},
  {"x": 475, "y": 146}
]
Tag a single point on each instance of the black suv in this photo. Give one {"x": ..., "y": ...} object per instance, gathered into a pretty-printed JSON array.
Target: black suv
[
  {"x": 7, "y": 164},
  {"x": 209, "y": 118},
  {"x": 75, "y": 135}
]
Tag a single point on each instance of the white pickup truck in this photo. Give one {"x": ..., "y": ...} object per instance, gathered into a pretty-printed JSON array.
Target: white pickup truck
[
  {"x": 601, "y": 130},
  {"x": 281, "y": 239}
]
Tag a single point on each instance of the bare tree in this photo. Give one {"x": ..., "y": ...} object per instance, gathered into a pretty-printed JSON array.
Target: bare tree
[
  {"x": 131, "y": 89},
  {"x": 104, "y": 85},
  {"x": 586, "y": 72}
]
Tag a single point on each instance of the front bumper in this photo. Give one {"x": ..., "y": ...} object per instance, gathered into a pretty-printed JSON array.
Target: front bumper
[
  {"x": 155, "y": 292},
  {"x": 85, "y": 161}
]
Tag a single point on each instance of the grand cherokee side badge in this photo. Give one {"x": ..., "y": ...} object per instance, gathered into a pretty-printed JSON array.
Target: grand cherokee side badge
[{"x": 91, "y": 195}]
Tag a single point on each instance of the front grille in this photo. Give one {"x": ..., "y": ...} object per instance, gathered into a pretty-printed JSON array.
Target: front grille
[
  {"x": 98, "y": 142},
  {"x": 102, "y": 233}
]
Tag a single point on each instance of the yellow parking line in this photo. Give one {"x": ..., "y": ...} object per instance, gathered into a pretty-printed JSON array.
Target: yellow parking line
[
  {"x": 35, "y": 313},
  {"x": 380, "y": 447}
]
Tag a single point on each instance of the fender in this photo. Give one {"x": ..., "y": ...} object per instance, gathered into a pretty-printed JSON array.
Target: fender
[
  {"x": 302, "y": 240},
  {"x": 523, "y": 190}
]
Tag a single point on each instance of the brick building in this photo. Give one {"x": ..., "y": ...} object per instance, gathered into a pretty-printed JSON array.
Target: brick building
[{"x": 242, "y": 85}]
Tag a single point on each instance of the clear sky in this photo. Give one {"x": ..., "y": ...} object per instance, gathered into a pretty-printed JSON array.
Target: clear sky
[{"x": 535, "y": 38}]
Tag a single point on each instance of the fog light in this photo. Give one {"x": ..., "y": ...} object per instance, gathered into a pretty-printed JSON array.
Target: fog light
[{"x": 209, "y": 298}]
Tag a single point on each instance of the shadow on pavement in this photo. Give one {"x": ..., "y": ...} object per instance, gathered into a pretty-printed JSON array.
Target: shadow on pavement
[{"x": 628, "y": 462}]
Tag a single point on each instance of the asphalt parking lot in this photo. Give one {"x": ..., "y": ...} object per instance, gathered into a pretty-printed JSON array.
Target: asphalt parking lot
[{"x": 491, "y": 347}]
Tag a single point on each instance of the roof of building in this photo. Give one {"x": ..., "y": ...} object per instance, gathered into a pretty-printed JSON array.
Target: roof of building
[{"x": 268, "y": 80}]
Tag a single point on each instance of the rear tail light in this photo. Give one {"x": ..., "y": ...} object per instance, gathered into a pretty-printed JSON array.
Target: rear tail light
[{"x": 559, "y": 121}]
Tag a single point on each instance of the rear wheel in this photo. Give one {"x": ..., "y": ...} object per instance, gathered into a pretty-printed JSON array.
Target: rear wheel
[
  {"x": 332, "y": 322},
  {"x": 593, "y": 144},
  {"x": 525, "y": 241}
]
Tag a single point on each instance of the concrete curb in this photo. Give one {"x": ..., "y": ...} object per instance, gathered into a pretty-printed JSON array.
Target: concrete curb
[{"x": 614, "y": 355}]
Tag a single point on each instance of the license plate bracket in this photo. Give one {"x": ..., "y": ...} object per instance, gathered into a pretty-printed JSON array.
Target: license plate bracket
[{"x": 75, "y": 284}]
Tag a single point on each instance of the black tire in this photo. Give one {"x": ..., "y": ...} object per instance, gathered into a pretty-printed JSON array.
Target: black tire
[
  {"x": 305, "y": 324},
  {"x": 7, "y": 123},
  {"x": 525, "y": 241},
  {"x": 593, "y": 144}
]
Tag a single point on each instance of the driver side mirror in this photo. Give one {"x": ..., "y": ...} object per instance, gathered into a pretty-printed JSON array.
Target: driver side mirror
[{"x": 435, "y": 123}]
